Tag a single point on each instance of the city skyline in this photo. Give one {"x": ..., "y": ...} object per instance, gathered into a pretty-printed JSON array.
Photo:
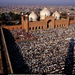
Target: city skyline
[{"x": 39, "y": 2}]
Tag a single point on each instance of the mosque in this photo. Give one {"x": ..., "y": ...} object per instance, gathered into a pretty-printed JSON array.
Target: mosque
[{"x": 46, "y": 21}]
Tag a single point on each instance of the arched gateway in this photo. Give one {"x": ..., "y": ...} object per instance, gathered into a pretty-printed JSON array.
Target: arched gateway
[{"x": 50, "y": 22}]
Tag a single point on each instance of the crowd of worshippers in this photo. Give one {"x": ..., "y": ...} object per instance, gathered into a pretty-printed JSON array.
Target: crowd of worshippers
[
  {"x": 21, "y": 35},
  {"x": 48, "y": 52}
]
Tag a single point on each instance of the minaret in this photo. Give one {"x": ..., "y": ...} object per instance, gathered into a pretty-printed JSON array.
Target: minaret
[
  {"x": 74, "y": 15},
  {"x": 60, "y": 14},
  {"x": 22, "y": 19},
  {"x": 68, "y": 18},
  {"x": 26, "y": 26}
]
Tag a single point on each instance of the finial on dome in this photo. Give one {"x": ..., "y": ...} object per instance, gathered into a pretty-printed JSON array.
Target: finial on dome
[
  {"x": 21, "y": 13},
  {"x": 56, "y": 10},
  {"x": 45, "y": 6},
  {"x": 26, "y": 15},
  {"x": 32, "y": 10},
  {"x": 68, "y": 13}
]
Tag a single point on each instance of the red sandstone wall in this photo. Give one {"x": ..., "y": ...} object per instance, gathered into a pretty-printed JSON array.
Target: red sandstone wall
[
  {"x": 1, "y": 65},
  {"x": 37, "y": 24},
  {"x": 58, "y": 22},
  {"x": 13, "y": 27},
  {"x": 72, "y": 22},
  {"x": 9, "y": 66}
]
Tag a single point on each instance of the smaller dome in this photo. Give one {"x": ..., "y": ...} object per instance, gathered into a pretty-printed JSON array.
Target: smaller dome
[
  {"x": 32, "y": 17},
  {"x": 56, "y": 14}
]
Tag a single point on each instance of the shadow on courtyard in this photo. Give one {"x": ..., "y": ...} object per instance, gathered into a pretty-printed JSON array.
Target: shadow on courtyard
[
  {"x": 69, "y": 59},
  {"x": 18, "y": 64},
  {"x": 5, "y": 71}
]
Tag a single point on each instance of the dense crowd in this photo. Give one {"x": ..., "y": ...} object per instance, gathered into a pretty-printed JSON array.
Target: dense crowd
[
  {"x": 18, "y": 64},
  {"x": 21, "y": 35},
  {"x": 47, "y": 53}
]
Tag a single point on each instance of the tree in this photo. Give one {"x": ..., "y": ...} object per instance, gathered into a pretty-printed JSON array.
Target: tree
[
  {"x": 64, "y": 14},
  {"x": 12, "y": 15},
  {"x": 3, "y": 16},
  {"x": 15, "y": 16}
]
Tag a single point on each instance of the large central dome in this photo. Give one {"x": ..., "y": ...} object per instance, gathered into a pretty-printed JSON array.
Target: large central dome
[{"x": 44, "y": 12}]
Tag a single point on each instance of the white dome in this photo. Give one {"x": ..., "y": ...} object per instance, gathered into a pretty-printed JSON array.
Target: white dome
[
  {"x": 56, "y": 14},
  {"x": 44, "y": 12},
  {"x": 32, "y": 17}
]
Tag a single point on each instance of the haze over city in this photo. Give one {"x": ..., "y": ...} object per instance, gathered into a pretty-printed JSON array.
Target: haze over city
[{"x": 37, "y": 2}]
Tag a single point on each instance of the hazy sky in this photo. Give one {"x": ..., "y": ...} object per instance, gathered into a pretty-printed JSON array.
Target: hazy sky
[{"x": 37, "y": 2}]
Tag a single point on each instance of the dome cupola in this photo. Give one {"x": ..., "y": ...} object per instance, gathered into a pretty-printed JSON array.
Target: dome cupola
[
  {"x": 32, "y": 17},
  {"x": 57, "y": 15}
]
